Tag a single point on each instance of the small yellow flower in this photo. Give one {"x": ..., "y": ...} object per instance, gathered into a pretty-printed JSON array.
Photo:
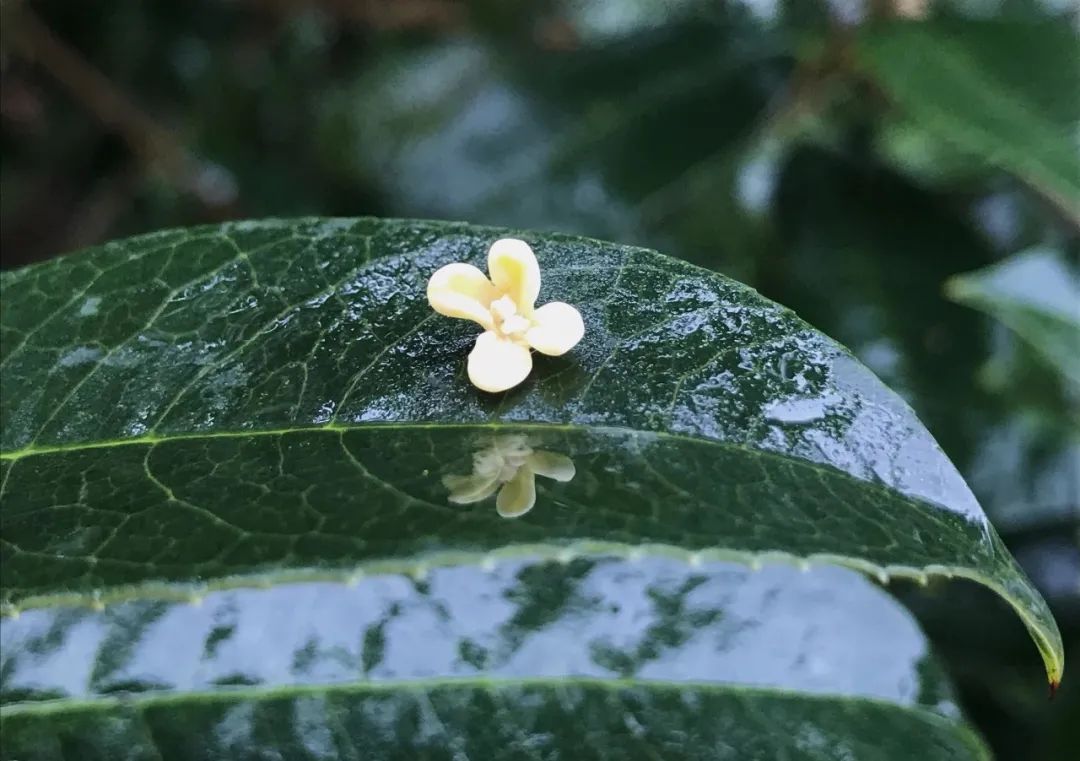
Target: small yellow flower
[
  {"x": 509, "y": 466},
  {"x": 505, "y": 307}
]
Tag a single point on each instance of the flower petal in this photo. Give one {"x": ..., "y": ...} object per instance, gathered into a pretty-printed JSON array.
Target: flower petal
[
  {"x": 558, "y": 328},
  {"x": 461, "y": 290},
  {"x": 552, "y": 465},
  {"x": 515, "y": 272},
  {"x": 518, "y": 495},
  {"x": 496, "y": 364},
  {"x": 465, "y": 490}
]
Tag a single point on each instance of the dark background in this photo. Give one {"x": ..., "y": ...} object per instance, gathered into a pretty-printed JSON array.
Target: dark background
[{"x": 737, "y": 135}]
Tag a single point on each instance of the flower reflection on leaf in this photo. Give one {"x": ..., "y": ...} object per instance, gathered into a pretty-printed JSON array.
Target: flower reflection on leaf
[{"x": 509, "y": 466}]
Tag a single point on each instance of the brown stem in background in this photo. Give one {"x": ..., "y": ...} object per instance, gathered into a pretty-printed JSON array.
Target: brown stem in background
[
  {"x": 156, "y": 147},
  {"x": 808, "y": 88}
]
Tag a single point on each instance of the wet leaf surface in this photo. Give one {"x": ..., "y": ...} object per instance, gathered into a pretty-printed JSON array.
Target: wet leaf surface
[
  {"x": 592, "y": 658},
  {"x": 865, "y": 260},
  {"x": 208, "y": 411},
  {"x": 599, "y": 721},
  {"x": 272, "y": 397}
]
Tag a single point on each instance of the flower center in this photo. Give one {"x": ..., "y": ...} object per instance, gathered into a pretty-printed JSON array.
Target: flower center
[
  {"x": 503, "y": 460},
  {"x": 507, "y": 321}
]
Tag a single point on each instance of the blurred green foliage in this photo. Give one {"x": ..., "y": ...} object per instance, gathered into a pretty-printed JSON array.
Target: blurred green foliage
[{"x": 843, "y": 161}]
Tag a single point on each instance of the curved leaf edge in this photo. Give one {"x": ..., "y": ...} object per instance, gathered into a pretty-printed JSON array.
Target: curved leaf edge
[
  {"x": 235, "y": 694},
  {"x": 1048, "y": 642},
  {"x": 119, "y": 246}
]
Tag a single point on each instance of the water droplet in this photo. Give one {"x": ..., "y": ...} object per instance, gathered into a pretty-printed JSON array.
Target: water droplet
[
  {"x": 90, "y": 306},
  {"x": 799, "y": 410}
]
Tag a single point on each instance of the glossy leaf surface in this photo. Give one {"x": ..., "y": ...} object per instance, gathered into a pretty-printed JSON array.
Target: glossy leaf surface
[
  {"x": 265, "y": 400},
  {"x": 870, "y": 273},
  {"x": 604, "y": 659},
  {"x": 519, "y": 722}
]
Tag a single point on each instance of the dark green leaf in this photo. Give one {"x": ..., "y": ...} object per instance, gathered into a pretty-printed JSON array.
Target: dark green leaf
[
  {"x": 266, "y": 401},
  {"x": 499, "y": 722},
  {"x": 863, "y": 258},
  {"x": 592, "y": 659}
]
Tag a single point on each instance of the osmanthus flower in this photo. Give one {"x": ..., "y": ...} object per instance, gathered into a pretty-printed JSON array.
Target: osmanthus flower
[
  {"x": 509, "y": 466},
  {"x": 505, "y": 306}
]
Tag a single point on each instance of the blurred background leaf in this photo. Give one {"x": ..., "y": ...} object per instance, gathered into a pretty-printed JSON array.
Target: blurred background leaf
[
  {"x": 1036, "y": 294},
  {"x": 797, "y": 145},
  {"x": 969, "y": 83}
]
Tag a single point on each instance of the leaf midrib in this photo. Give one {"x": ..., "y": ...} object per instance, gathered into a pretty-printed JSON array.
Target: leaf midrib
[
  {"x": 338, "y": 429},
  {"x": 152, "y": 440}
]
